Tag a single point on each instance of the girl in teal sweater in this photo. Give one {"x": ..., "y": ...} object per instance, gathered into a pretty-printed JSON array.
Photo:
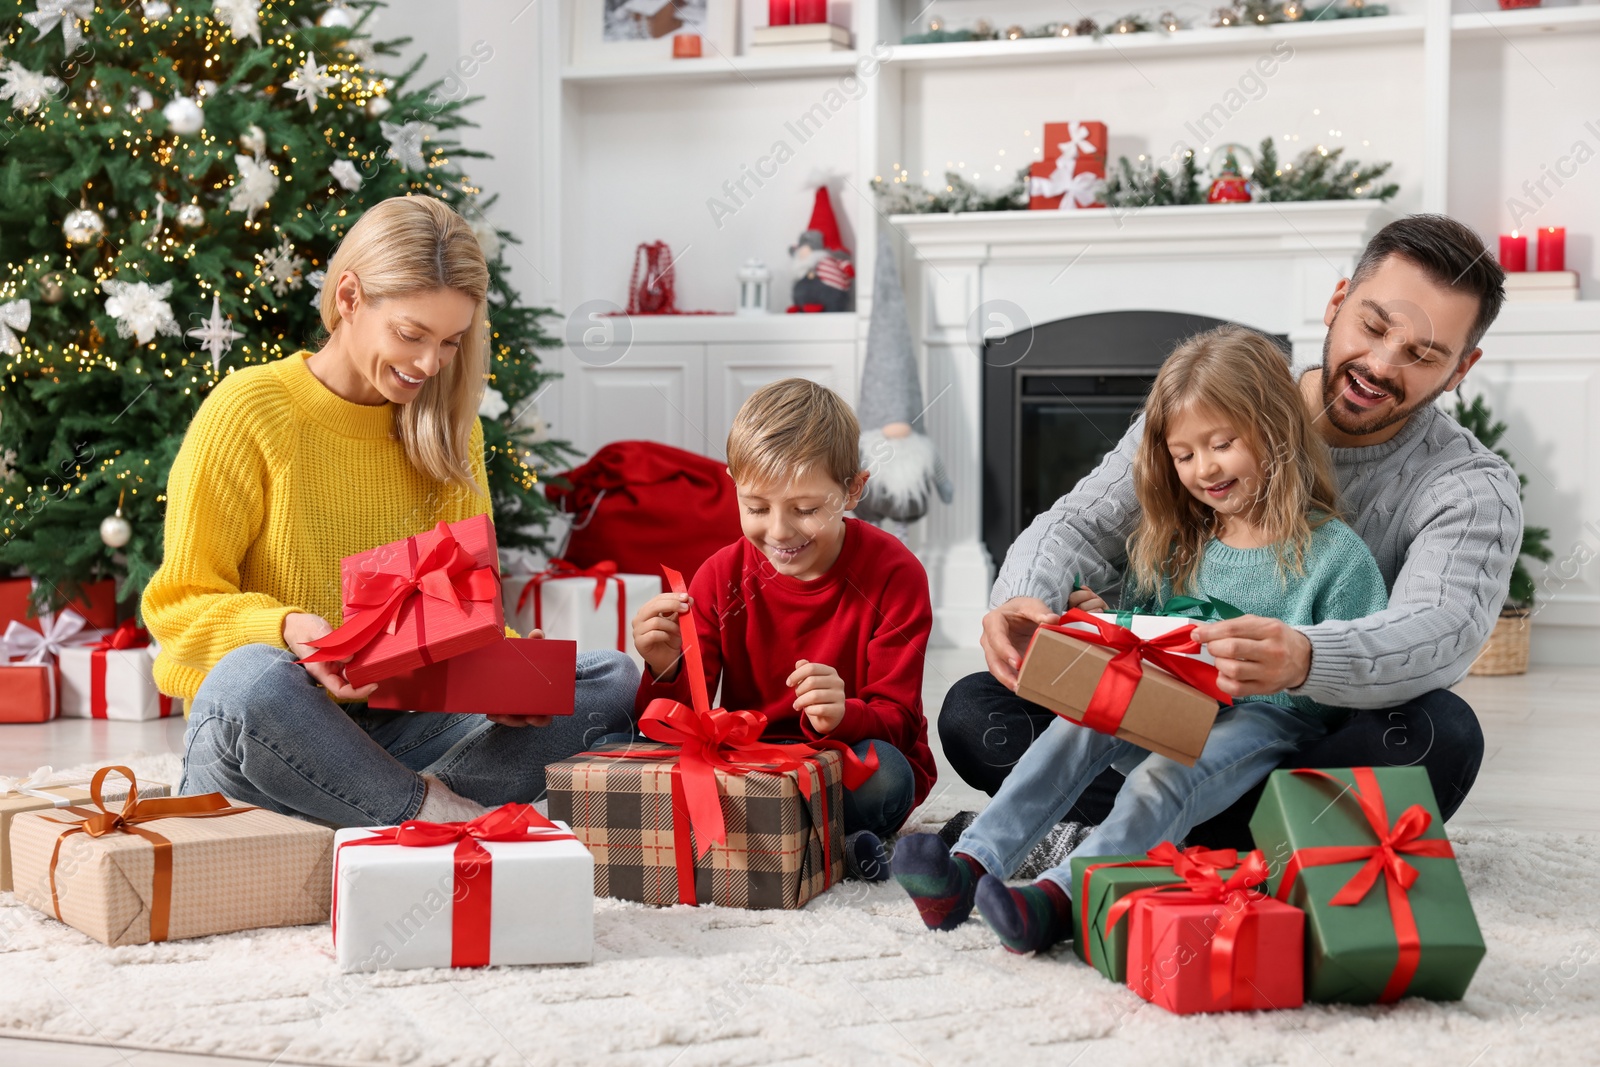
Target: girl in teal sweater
[{"x": 1237, "y": 503}]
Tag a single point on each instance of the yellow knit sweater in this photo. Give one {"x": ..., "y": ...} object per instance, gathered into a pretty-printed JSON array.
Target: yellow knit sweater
[{"x": 277, "y": 480}]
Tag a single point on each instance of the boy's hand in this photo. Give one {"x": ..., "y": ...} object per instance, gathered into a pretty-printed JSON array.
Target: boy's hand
[
  {"x": 1087, "y": 599},
  {"x": 656, "y": 634},
  {"x": 819, "y": 694}
]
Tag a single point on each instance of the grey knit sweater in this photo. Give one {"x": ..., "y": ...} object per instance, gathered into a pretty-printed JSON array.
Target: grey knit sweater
[{"x": 1439, "y": 511}]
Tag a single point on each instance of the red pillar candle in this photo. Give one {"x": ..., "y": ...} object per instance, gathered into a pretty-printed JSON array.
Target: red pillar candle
[
  {"x": 1552, "y": 248},
  {"x": 810, "y": 11},
  {"x": 780, "y": 12},
  {"x": 1513, "y": 252}
]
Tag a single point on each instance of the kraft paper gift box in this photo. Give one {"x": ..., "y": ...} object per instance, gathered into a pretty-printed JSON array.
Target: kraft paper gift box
[
  {"x": 517, "y": 676},
  {"x": 173, "y": 868},
  {"x": 1099, "y": 882},
  {"x": 1212, "y": 944},
  {"x": 1331, "y": 836},
  {"x": 417, "y": 601},
  {"x": 510, "y": 887},
  {"x": 593, "y": 606},
  {"x": 1120, "y": 687},
  {"x": 112, "y": 679},
  {"x": 37, "y": 793}
]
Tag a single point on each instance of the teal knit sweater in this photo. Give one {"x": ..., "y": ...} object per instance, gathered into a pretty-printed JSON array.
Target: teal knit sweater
[{"x": 1341, "y": 581}]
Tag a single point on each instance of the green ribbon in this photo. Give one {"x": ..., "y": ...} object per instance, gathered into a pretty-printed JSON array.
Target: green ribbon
[{"x": 1207, "y": 609}]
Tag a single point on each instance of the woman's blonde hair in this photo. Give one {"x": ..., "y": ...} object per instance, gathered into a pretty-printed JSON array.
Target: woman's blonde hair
[
  {"x": 412, "y": 244},
  {"x": 1241, "y": 376}
]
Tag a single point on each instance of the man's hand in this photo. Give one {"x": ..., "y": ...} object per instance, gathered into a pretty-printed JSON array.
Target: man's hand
[
  {"x": 1007, "y": 630},
  {"x": 819, "y": 694},
  {"x": 1256, "y": 656},
  {"x": 1087, "y": 599},
  {"x": 656, "y": 634},
  {"x": 299, "y": 630}
]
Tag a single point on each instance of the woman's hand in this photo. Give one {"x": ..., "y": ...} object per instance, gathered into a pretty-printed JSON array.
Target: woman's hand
[
  {"x": 819, "y": 694},
  {"x": 656, "y": 634},
  {"x": 299, "y": 630},
  {"x": 1087, "y": 599}
]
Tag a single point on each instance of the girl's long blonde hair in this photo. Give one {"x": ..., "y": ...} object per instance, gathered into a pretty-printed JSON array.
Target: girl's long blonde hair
[
  {"x": 411, "y": 244},
  {"x": 1240, "y": 375}
]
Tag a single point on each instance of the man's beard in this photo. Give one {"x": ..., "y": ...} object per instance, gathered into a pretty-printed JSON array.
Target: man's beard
[{"x": 1359, "y": 424}]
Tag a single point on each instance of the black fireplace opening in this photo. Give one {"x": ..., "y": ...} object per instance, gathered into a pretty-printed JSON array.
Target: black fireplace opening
[{"x": 1057, "y": 397}]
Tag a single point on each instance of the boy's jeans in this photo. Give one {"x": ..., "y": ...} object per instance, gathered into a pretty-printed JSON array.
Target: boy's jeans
[
  {"x": 262, "y": 732},
  {"x": 1162, "y": 800}
]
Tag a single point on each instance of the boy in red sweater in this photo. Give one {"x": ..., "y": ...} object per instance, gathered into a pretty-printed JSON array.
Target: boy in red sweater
[{"x": 816, "y": 620}]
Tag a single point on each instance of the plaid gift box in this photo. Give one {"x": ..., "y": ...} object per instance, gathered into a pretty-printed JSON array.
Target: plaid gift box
[{"x": 782, "y": 849}]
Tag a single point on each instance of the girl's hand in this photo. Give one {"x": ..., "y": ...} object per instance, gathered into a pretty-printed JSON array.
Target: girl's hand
[
  {"x": 520, "y": 720},
  {"x": 1087, "y": 599},
  {"x": 656, "y": 634},
  {"x": 299, "y": 630},
  {"x": 819, "y": 694}
]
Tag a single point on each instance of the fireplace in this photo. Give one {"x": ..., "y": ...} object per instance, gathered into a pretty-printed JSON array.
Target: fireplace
[{"x": 1057, "y": 397}]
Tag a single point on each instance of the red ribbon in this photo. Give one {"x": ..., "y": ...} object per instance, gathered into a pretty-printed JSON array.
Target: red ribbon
[
  {"x": 1121, "y": 677},
  {"x": 1383, "y": 860},
  {"x": 126, "y": 636},
  {"x": 715, "y": 739},
  {"x": 1237, "y": 897},
  {"x": 448, "y": 573},
  {"x": 472, "y": 910},
  {"x": 1165, "y": 854},
  {"x": 602, "y": 572}
]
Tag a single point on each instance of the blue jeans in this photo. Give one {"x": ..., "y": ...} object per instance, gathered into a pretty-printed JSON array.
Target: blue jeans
[
  {"x": 1160, "y": 800},
  {"x": 262, "y": 732},
  {"x": 882, "y": 802}
]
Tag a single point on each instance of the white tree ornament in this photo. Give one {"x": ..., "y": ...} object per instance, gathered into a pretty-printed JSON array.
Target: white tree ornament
[
  {"x": 65, "y": 14},
  {"x": 216, "y": 334},
  {"x": 27, "y": 90},
  {"x": 315, "y": 280},
  {"x": 14, "y": 315},
  {"x": 185, "y": 115},
  {"x": 493, "y": 404},
  {"x": 310, "y": 82},
  {"x": 141, "y": 309},
  {"x": 280, "y": 267},
  {"x": 242, "y": 16},
  {"x": 405, "y": 142},
  {"x": 345, "y": 173},
  {"x": 253, "y": 187}
]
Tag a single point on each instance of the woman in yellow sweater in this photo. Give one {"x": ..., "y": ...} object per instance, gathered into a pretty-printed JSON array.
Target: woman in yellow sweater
[{"x": 290, "y": 466}]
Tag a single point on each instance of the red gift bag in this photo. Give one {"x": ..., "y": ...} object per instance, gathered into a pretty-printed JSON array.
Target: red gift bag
[{"x": 643, "y": 505}]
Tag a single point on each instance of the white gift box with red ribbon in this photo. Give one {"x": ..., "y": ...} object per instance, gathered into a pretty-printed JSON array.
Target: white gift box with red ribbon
[
  {"x": 510, "y": 887},
  {"x": 112, "y": 679},
  {"x": 593, "y": 606}
]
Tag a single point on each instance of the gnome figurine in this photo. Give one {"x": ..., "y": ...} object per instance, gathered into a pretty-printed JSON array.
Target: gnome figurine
[
  {"x": 823, "y": 273},
  {"x": 905, "y": 468}
]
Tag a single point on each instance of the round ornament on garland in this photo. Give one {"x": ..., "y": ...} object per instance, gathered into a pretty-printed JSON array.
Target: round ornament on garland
[
  {"x": 115, "y": 530},
  {"x": 1231, "y": 184}
]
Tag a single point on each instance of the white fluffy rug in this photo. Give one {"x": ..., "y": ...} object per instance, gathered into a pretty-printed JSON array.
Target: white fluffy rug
[{"x": 854, "y": 978}]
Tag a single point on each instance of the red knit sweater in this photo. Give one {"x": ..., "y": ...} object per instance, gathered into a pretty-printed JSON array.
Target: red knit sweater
[{"x": 868, "y": 618}]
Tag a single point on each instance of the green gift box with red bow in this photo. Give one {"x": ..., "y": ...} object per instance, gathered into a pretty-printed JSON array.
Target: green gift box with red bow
[{"x": 1363, "y": 852}]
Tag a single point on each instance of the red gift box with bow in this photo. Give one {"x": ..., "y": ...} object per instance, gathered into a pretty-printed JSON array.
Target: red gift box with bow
[
  {"x": 517, "y": 676},
  {"x": 1210, "y": 943},
  {"x": 1097, "y": 677},
  {"x": 417, "y": 601},
  {"x": 1074, "y": 165}
]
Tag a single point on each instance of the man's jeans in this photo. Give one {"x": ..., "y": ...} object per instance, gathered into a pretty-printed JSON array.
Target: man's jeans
[
  {"x": 262, "y": 732},
  {"x": 1160, "y": 799}
]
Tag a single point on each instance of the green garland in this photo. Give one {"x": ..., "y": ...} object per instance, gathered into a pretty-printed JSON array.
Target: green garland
[
  {"x": 1317, "y": 174},
  {"x": 958, "y": 194}
]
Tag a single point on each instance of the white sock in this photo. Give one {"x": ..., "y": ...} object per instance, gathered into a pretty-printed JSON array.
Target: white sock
[{"x": 442, "y": 805}]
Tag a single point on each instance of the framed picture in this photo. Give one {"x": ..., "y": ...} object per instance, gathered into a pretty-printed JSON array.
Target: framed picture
[{"x": 615, "y": 33}]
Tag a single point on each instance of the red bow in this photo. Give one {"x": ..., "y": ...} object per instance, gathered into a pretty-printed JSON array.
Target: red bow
[
  {"x": 602, "y": 572},
  {"x": 1383, "y": 860},
  {"x": 1121, "y": 678},
  {"x": 1237, "y": 897},
  {"x": 127, "y": 635},
  {"x": 448, "y": 573},
  {"x": 1165, "y": 854},
  {"x": 472, "y": 900}
]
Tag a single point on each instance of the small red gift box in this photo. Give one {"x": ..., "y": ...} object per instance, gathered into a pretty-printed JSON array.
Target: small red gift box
[
  {"x": 517, "y": 676},
  {"x": 1073, "y": 167},
  {"x": 27, "y": 693},
  {"x": 417, "y": 601},
  {"x": 1206, "y": 944},
  {"x": 97, "y": 605}
]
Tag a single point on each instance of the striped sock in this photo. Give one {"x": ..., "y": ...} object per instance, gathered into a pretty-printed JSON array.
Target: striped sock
[
  {"x": 1028, "y": 919},
  {"x": 939, "y": 883}
]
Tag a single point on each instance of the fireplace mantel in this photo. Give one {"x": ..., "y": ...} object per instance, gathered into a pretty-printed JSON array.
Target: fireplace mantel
[{"x": 985, "y": 274}]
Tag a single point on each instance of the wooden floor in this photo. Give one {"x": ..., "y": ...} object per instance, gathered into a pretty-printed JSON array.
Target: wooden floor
[{"x": 1541, "y": 731}]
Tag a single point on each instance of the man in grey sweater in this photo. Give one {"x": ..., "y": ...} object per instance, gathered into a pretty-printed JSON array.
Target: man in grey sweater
[{"x": 1440, "y": 512}]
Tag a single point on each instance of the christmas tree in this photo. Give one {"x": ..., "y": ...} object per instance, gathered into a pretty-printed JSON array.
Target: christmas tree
[{"x": 175, "y": 177}]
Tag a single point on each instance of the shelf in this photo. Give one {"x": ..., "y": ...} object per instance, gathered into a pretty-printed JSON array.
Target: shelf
[
  {"x": 718, "y": 68},
  {"x": 1528, "y": 22},
  {"x": 1203, "y": 41}
]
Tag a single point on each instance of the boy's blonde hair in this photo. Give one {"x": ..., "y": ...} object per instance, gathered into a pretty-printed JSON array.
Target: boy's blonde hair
[
  {"x": 1240, "y": 375},
  {"x": 789, "y": 429},
  {"x": 412, "y": 244}
]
